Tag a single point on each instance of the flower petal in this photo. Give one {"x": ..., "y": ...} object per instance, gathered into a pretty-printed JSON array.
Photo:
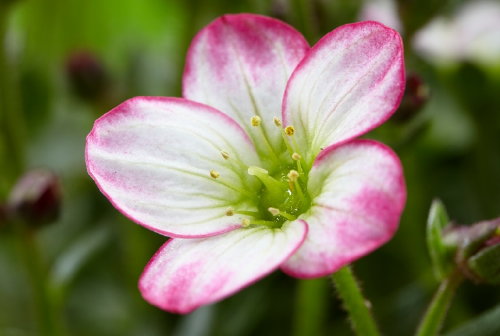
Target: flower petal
[
  {"x": 152, "y": 159},
  {"x": 187, "y": 273},
  {"x": 240, "y": 64},
  {"x": 358, "y": 194},
  {"x": 351, "y": 81}
]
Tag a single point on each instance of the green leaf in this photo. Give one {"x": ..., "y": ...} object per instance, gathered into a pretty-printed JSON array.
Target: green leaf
[
  {"x": 486, "y": 264},
  {"x": 440, "y": 253},
  {"x": 487, "y": 324},
  {"x": 77, "y": 255}
]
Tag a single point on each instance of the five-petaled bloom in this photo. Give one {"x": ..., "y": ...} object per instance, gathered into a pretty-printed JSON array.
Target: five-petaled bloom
[{"x": 258, "y": 166}]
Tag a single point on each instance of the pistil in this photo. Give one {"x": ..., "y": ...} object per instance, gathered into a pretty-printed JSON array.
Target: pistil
[
  {"x": 216, "y": 176},
  {"x": 275, "y": 188},
  {"x": 277, "y": 212},
  {"x": 281, "y": 197}
]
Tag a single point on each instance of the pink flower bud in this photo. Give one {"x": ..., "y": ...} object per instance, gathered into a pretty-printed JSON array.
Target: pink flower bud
[{"x": 36, "y": 198}]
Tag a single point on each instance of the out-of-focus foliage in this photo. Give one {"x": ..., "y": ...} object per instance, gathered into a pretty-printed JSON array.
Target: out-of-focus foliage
[{"x": 63, "y": 63}]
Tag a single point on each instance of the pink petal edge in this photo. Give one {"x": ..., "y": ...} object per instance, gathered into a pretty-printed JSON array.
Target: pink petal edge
[
  {"x": 240, "y": 64},
  {"x": 121, "y": 108},
  {"x": 324, "y": 43},
  {"x": 180, "y": 290},
  {"x": 304, "y": 269}
]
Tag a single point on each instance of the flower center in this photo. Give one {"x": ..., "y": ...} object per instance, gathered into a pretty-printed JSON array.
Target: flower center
[{"x": 283, "y": 192}]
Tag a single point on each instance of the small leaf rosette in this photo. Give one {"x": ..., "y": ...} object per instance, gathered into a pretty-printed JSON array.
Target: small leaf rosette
[{"x": 258, "y": 166}]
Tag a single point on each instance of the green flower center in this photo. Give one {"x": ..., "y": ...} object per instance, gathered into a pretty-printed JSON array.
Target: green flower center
[{"x": 283, "y": 194}]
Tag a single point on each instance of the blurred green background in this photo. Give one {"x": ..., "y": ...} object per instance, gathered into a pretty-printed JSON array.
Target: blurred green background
[{"x": 63, "y": 63}]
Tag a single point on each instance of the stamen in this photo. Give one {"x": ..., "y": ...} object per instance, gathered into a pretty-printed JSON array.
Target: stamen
[
  {"x": 233, "y": 159},
  {"x": 293, "y": 175},
  {"x": 245, "y": 222},
  {"x": 215, "y": 175},
  {"x": 277, "y": 122},
  {"x": 289, "y": 130},
  {"x": 297, "y": 158},
  {"x": 229, "y": 212},
  {"x": 255, "y": 121}
]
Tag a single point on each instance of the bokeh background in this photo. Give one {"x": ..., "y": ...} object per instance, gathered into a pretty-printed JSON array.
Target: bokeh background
[{"x": 63, "y": 63}]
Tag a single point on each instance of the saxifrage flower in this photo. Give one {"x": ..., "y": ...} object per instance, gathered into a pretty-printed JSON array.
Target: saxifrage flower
[
  {"x": 257, "y": 167},
  {"x": 471, "y": 34}
]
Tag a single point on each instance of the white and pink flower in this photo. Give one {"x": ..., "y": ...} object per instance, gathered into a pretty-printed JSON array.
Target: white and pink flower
[
  {"x": 471, "y": 34},
  {"x": 257, "y": 167}
]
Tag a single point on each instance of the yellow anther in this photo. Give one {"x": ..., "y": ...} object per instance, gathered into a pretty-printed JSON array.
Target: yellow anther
[
  {"x": 273, "y": 211},
  {"x": 293, "y": 175},
  {"x": 255, "y": 121},
  {"x": 214, "y": 174},
  {"x": 277, "y": 122},
  {"x": 224, "y": 154},
  {"x": 296, "y": 156},
  {"x": 289, "y": 130},
  {"x": 245, "y": 222},
  {"x": 229, "y": 211}
]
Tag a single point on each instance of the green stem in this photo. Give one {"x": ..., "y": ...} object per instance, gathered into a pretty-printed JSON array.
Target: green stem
[
  {"x": 436, "y": 312},
  {"x": 10, "y": 104},
  {"x": 349, "y": 291},
  {"x": 310, "y": 307},
  {"x": 45, "y": 307},
  {"x": 306, "y": 20}
]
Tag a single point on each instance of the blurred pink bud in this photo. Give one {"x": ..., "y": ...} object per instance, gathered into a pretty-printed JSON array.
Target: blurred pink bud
[
  {"x": 87, "y": 75},
  {"x": 35, "y": 198},
  {"x": 415, "y": 97}
]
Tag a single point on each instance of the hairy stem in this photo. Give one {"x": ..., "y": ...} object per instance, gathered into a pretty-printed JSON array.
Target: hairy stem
[{"x": 349, "y": 291}]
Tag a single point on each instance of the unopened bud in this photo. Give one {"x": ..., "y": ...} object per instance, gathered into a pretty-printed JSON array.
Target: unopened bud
[
  {"x": 414, "y": 98},
  {"x": 36, "y": 198},
  {"x": 87, "y": 75},
  {"x": 478, "y": 250}
]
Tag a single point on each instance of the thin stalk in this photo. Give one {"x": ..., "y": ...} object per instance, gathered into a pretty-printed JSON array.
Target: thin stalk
[
  {"x": 310, "y": 304},
  {"x": 10, "y": 105},
  {"x": 349, "y": 291},
  {"x": 45, "y": 307},
  {"x": 436, "y": 312}
]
